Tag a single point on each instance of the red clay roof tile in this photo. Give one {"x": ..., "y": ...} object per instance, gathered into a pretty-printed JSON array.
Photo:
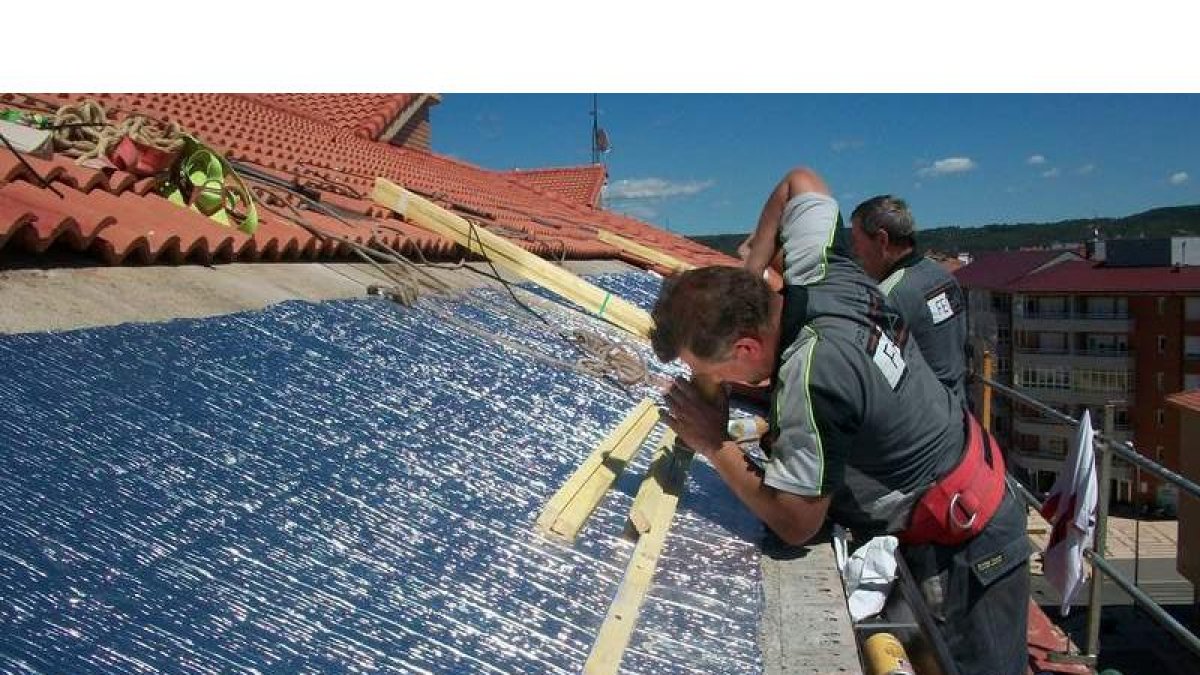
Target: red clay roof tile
[
  {"x": 118, "y": 217},
  {"x": 996, "y": 269},
  {"x": 580, "y": 185},
  {"x": 367, "y": 115},
  {"x": 1085, "y": 276},
  {"x": 1186, "y": 400}
]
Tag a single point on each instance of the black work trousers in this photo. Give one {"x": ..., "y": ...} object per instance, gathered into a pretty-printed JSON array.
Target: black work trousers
[{"x": 979, "y": 593}]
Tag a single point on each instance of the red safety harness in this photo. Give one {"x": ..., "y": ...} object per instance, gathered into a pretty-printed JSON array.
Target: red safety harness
[{"x": 959, "y": 505}]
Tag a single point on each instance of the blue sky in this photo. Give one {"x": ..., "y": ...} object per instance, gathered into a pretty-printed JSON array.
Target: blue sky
[{"x": 703, "y": 164}]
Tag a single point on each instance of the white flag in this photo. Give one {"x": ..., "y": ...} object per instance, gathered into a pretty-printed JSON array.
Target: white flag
[{"x": 1071, "y": 510}]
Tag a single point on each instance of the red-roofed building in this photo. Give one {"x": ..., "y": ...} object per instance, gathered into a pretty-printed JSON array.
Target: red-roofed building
[
  {"x": 1077, "y": 334},
  {"x": 399, "y": 119},
  {"x": 1187, "y": 403},
  {"x": 995, "y": 270},
  {"x": 577, "y": 184},
  {"x": 334, "y": 146},
  {"x": 989, "y": 315}
]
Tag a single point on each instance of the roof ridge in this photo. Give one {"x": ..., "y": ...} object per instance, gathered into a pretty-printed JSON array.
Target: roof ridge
[
  {"x": 594, "y": 189},
  {"x": 573, "y": 167}
]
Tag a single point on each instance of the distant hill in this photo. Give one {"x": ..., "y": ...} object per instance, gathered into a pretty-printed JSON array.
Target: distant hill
[{"x": 1161, "y": 222}]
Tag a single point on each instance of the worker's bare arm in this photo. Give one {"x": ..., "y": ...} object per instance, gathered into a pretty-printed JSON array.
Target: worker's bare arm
[
  {"x": 702, "y": 426},
  {"x": 761, "y": 248}
]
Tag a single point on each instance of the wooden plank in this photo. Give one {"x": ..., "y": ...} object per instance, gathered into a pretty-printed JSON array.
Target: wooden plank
[
  {"x": 654, "y": 507},
  {"x": 513, "y": 258},
  {"x": 567, "y": 511},
  {"x": 643, "y": 251}
]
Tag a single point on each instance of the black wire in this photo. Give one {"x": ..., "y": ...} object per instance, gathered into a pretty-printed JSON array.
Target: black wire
[
  {"x": 16, "y": 153},
  {"x": 507, "y": 286},
  {"x": 472, "y": 234}
]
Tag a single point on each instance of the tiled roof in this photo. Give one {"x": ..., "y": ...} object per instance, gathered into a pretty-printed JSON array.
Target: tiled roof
[
  {"x": 995, "y": 270},
  {"x": 1187, "y": 400},
  {"x": 1085, "y": 276},
  {"x": 578, "y": 184},
  {"x": 119, "y": 218},
  {"x": 367, "y": 115}
]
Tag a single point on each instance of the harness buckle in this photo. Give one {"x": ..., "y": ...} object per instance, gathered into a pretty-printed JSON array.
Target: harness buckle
[{"x": 954, "y": 519}]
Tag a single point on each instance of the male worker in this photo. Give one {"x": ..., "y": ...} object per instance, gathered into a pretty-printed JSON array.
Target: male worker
[
  {"x": 861, "y": 429},
  {"x": 930, "y": 301}
]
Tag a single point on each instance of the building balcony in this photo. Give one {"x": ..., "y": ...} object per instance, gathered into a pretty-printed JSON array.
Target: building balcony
[
  {"x": 1036, "y": 425},
  {"x": 1037, "y": 460},
  {"x": 1041, "y": 350},
  {"x": 1080, "y": 358},
  {"x": 1053, "y": 396},
  {"x": 1074, "y": 314},
  {"x": 1106, "y": 353},
  {"x": 1046, "y": 460},
  {"x": 1046, "y": 429},
  {"x": 1066, "y": 322}
]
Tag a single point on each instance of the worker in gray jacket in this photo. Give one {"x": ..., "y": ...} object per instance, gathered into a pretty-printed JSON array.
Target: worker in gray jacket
[
  {"x": 883, "y": 234},
  {"x": 860, "y": 430}
]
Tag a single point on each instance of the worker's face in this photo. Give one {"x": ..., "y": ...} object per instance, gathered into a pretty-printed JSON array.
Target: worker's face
[
  {"x": 749, "y": 361},
  {"x": 871, "y": 250}
]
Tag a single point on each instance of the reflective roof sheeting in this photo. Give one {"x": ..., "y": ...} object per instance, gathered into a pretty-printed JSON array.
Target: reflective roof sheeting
[{"x": 345, "y": 486}]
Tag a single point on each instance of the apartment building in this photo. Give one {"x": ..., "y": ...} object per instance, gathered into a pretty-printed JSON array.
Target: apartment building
[
  {"x": 1122, "y": 327},
  {"x": 989, "y": 315}
]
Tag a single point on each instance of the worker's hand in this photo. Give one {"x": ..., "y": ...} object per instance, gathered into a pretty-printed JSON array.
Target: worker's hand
[
  {"x": 758, "y": 394},
  {"x": 702, "y": 425}
]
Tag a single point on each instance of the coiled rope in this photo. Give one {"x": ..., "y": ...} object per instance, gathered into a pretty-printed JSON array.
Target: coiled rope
[{"x": 83, "y": 131}]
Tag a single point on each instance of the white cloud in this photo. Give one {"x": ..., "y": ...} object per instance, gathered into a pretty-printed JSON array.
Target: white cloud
[
  {"x": 654, "y": 188},
  {"x": 1178, "y": 178},
  {"x": 1036, "y": 159},
  {"x": 947, "y": 166},
  {"x": 1051, "y": 173},
  {"x": 1085, "y": 169},
  {"x": 843, "y": 144}
]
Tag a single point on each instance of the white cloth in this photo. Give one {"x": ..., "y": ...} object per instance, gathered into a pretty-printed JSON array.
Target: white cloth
[
  {"x": 1071, "y": 510},
  {"x": 869, "y": 574}
]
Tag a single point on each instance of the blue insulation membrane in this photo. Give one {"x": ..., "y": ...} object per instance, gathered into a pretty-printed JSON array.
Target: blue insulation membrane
[{"x": 346, "y": 486}]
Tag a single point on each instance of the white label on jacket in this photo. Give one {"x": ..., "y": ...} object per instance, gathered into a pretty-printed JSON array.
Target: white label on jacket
[
  {"x": 940, "y": 308},
  {"x": 889, "y": 361}
]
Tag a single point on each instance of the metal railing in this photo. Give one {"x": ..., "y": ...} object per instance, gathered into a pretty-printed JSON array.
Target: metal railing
[{"x": 1107, "y": 446}]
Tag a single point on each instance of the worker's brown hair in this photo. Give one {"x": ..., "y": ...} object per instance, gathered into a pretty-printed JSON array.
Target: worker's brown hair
[
  {"x": 706, "y": 310},
  {"x": 886, "y": 212}
]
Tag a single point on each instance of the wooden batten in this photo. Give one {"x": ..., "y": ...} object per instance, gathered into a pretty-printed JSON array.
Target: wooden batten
[
  {"x": 512, "y": 258},
  {"x": 644, "y": 252},
  {"x": 654, "y": 507},
  {"x": 568, "y": 510}
]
